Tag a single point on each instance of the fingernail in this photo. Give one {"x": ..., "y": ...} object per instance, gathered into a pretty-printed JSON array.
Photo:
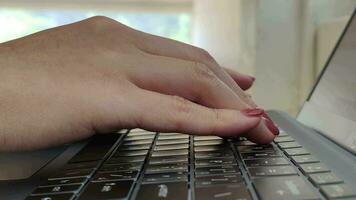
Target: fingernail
[
  {"x": 253, "y": 78},
  {"x": 253, "y": 112},
  {"x": 270, "y": 125}
]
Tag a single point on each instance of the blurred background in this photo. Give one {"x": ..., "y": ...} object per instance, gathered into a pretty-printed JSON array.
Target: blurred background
[{"x": 284, "y": 44}]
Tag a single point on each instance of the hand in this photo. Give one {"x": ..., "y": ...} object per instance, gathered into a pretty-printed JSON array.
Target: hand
[{"x": 95, "y": 76}]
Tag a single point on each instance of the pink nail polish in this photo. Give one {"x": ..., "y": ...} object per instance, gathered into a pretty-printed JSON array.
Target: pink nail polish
[
  {"x": 253, "y": 112},
  {"x": 270, "y": 125}
]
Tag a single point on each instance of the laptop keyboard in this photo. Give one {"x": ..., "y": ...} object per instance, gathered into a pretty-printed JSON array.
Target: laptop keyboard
[{"x": 144, "y": 165}]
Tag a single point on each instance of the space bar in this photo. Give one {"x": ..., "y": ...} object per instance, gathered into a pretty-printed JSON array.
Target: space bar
[{"x": 97, "y": 148}]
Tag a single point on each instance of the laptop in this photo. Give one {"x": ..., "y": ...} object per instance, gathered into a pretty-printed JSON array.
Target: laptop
[{"x": 314, "y": 157}]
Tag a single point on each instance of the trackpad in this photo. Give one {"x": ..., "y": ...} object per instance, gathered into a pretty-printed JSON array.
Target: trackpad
[{"x": 22, "y": 165}]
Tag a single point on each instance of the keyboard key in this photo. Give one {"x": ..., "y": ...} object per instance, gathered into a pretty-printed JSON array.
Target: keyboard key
[
  {"x": 139, "y": 137},
  {"x": 72, "y": 174},
  {"x": 180, "y": 152},
  {"x": 304, "y": 159},
  {"x": 115, "y": 176},
  {"x": 171, "y": 147},
  {"x": 215, "y": 161},
  {"x": 57, "y": 189},
  {"x": 284, "y": 139},
  {"x": 65, "y": 181},
  {"x": 288, "y": 145},
  {"x": 106, "y": 190},
  {"x": 218, "y": 180},
  {"x": 272, "y": 171},
  {"x": 215, "y": 154},
  {"x": 135, "y": 147},
  {"x": 81, "y": 165},
  {"x": 230, "y": 192},
  {"x": 212, "y": 148},
  {"x": 162, "y": 136},
  {"x": 170, "y": 191},
  {"x": 124, "y": 159},
  {"x": 245, "y": 143},
  {"x": 209, "y": 142},
  {"x": 168, "y": 160},
  {"x": 168, "y": 142},
  {"x": 163, "y": 168},
  {"x": 121, "y": 167},
  {"x": 163, "y": 177},
  {"x": 138, "y": 130},
  {"x": 67, "y": 196},
  {"x": 296, "y": 152},
  {"x": 324, "y": 178},
  {"x": 131, "y": 153},
  {"x": 140, "y": 133},
  {"x": 255, "y": 148},
  {"x": 266, "y": 162},
  {"x": 255, "y": 155},
  {"x": 338, "y": 191},
  {"x": 137, "y": 142},
  {"x": 291, "y": 187},
  {"x": 97, "y": 148},
  {"x": 203, "y": 138},
  {"x": 313, "y": 168},
  {"x": 217, "y": 170}
]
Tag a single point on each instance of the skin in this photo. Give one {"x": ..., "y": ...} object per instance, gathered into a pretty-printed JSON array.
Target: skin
[{"x": 67, "y": 83}]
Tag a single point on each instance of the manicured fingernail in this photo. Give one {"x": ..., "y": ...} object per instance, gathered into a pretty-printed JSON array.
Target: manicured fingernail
[
  {"x": 252, "y": 78},
  {"x": 270, "y": 125},
  {"x": 253, "y": 112}
]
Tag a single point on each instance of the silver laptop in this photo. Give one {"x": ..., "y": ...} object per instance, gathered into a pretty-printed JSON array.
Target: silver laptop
[{"x": 314, "y": 157}]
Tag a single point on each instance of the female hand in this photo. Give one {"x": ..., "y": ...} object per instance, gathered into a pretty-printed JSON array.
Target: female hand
[{"x": 95, "y": 76}]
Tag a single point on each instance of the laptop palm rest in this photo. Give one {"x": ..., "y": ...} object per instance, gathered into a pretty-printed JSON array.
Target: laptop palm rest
[{"x": 22, "y": 165}]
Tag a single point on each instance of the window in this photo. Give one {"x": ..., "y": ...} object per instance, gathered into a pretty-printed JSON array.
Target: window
[{"x": 20, "y": 22}]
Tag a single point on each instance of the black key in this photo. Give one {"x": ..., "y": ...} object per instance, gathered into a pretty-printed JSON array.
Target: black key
[
  {"x": 304, "y": 159},
  {"x": 283, "y": 139},
  {"x": 256, "y": 148},
  {"x": 231, "y": 192},
  {"x": 167, "y": 142},
  {"x": 115, "y": 176},
  {"x": 72, "y": 174},
  {"x": 65, "y": 181},
  {"x": 135, "y": 147},
  {"x": 170, "y": 191},
  {"x": 171, "y": 147},
  {"x": 215, "y": 161},
  {"x": 121, "y": 167},
  {"x": 212, "y": 148},
  {"x": 97, "y": 148},
  {"x": 314, "y": 168},
  {"x": 131, "y": 153},
  {"x": 218, "y": 180},
  {"x": 139, "y": 137},
  {"x": 107, "y": 190},
  {"x": 81, "y": 165},
  {"x": 180, "y": 152},
  {"x": 168, "y": 159},
  {"x": 172, "y": 137},
  {"x": 288, "y": 145},
  {"x": 163, "y": 177},
  {"x": 162, "y": 168},
  {"x": 210, "y": 137},
  {"x": 67, "y": 196},
  {"x": 296, "y": 152},
  {"x": 292, "y": 187},
  {"x": 124, "y": 159},
  {"x": 266, "y": 162},
  {"x": 272, "y": 171},
  {"x": 338, "y": 191},
  {"x": 324, "y": 178},
  {"x": 214, "y": 154},
  {"x": 57, "y": 189},
  {"x": 217, "y": 170},
  {"x": 209, "y": 142},
  {"x": 137, "y": 142},
  {"x": 254, "y": 155}
]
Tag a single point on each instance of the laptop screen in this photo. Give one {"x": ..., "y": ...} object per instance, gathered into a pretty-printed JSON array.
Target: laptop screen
[{"x": 331, "y": 107}]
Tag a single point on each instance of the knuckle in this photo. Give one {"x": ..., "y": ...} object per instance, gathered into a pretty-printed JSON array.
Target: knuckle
[
  {"x": 202, "y": 72},
  {"x": 101, "y": 22},
  {"x": 205, "y": 55},
  {"x": 181, "y": 111}
]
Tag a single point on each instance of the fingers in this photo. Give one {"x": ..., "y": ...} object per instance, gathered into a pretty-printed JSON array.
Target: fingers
[
  {"x": 166, "y": 47},
  {"x": 166, "y": 113},
  {"x": 191, "y": 80},
  {"x": 244, "y": 81}
]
